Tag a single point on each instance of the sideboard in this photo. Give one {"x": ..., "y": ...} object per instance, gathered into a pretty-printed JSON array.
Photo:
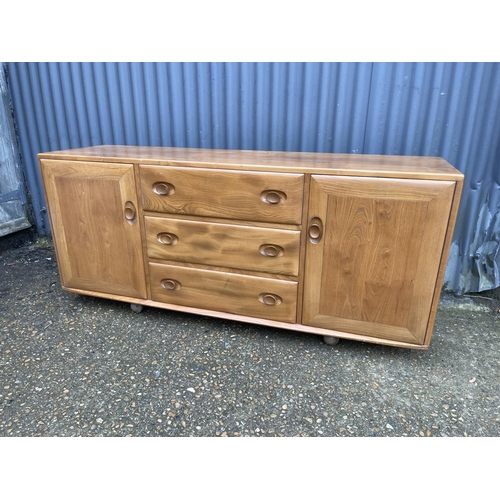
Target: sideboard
[{"x": 337, "y": 245}]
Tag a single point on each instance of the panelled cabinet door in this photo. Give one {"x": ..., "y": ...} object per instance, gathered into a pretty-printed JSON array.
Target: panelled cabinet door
[
  {"x": 373, "y": 254},
  {"x": 93, "y": 213}
]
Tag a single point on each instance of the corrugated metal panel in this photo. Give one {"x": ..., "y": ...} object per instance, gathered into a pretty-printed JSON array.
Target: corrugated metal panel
[{"x": 445, "y": 109}]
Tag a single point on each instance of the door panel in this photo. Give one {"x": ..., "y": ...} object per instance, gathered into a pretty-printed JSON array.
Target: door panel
[
  {"x": 92, "y": 208},
  {"x": 374, "y": 269}
]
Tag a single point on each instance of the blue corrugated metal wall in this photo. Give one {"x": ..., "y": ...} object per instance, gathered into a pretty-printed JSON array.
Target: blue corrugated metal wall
[{"x": 450, "y": 110}]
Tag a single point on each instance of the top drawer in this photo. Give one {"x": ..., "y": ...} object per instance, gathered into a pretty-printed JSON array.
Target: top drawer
[{"x": 229, "y": 194}]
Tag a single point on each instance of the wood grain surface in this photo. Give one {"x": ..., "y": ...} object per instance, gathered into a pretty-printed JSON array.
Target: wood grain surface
[
  {"x": 222, "y": 193},
  {"x": 227, "y": 245},
  {"x": 231, "y": 293},
  {"x": 412, "y": 167},
  {"x": 98, "y": 248},
  {"x": 375, "y": 268}
]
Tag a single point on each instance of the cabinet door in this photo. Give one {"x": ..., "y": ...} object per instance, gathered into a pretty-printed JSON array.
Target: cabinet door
[
  {"x": 373, "y": 254},
  {"x": 92, "y": 208}
]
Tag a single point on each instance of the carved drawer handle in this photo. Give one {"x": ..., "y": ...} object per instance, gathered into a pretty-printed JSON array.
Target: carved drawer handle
[
  {"x": 163, "y": 188},
  {"x": 130, "y": 212},
  {"x": 170, "y": 284},
  {"x": 315, "y": 230},
  {"x": 167, "y": 238},
  {"x": 270, "y": 299},
  {"x": 273, "y": 197},
  {"x": 269, "y": 250}
]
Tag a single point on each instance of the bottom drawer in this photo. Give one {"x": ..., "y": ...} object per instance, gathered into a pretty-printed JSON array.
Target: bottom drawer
[{"x": 217, "y": 291}]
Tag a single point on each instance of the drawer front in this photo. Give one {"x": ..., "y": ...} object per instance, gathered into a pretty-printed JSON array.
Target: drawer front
[
  {"x": 231, "y": 293},
  {"x": 255, "y": 196},
  {"x": 226, "y": 245}
]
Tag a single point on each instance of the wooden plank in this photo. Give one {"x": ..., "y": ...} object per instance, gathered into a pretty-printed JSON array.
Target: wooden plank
[{"x": 414, "y": 167}]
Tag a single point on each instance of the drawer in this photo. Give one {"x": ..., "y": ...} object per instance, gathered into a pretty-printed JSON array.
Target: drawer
[
  {"x": 227, "y": 245},
  {"x": 231, "y": 293},
  {"x": 228, "y": 194}
]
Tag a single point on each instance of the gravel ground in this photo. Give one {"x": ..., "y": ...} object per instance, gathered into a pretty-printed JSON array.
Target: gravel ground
[{"x": 72, "y": 365}]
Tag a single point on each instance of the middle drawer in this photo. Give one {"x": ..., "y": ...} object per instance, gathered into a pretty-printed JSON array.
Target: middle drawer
[{"x": 260, "y": 249}]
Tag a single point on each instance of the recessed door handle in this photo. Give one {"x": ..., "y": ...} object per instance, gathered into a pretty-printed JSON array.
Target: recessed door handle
[
  {"x": 130, "y": 212},
  {"x": 315, "y": 230}
]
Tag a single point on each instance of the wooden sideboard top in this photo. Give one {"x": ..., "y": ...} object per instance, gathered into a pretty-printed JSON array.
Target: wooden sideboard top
[{"x": 411, "y": 167}]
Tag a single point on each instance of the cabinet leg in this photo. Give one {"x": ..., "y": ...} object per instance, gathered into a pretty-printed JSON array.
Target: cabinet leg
[
  {"x": 330, "y": 340},
  {"x": 137, "y": 308}
]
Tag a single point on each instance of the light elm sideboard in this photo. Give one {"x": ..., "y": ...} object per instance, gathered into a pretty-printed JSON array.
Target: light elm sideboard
[{"x": 337, "y": 245}]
